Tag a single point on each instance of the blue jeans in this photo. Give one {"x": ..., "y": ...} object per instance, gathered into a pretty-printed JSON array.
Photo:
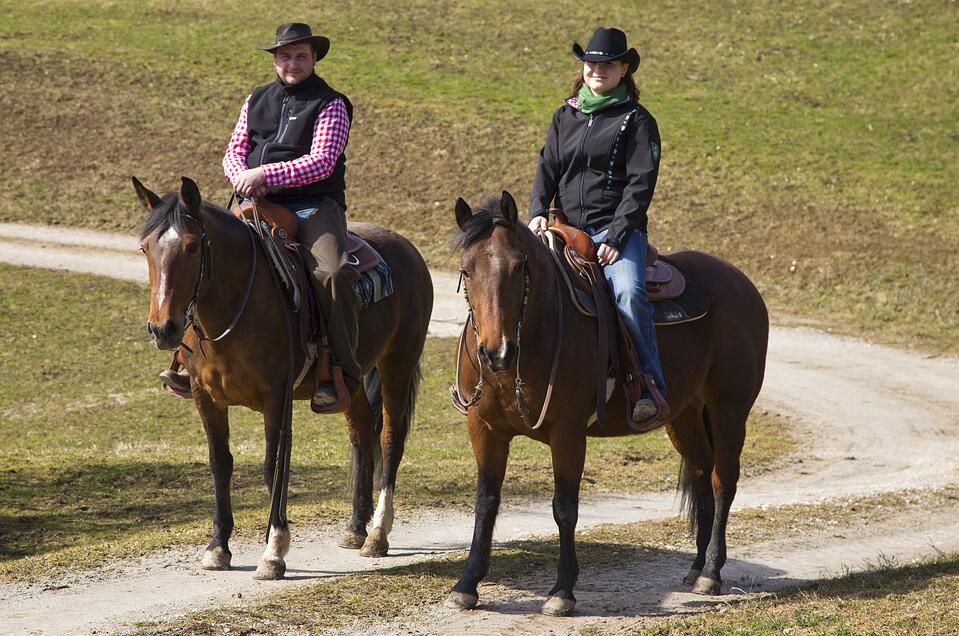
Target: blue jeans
[{"x": 627, "y": 280}]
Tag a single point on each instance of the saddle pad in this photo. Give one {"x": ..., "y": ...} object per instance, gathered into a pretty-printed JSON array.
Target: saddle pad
[
  {"x": 690, "y": 305},
  {"x": 374, "y": 284}
]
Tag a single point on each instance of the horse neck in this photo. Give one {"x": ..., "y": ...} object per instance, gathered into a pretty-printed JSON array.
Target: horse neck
[
  {"x": 230, "y": 263},
  {"x": 542, "y": 312}
]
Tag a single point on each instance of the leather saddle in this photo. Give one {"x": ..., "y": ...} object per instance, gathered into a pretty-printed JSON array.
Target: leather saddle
[
  {"x": 286, "y": 255},
  {"x": 285, "y": 226},
  {"x": 576, "y": 262}
]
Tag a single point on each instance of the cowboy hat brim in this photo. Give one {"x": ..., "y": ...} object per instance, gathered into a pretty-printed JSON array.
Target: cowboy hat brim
[
  {"x": 320, "y": 44},
  {"x": 631, "y": 57}
]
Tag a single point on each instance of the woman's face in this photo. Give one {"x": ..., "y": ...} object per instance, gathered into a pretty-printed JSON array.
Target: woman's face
[{"x": 602, "y": 77}]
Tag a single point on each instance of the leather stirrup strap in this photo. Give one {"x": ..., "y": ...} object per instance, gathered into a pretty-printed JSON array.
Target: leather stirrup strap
[{"x": 602, "y": 343}]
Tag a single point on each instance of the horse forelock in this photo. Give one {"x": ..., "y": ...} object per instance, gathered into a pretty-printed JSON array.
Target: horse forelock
[
  {"x": 170, "y": 214},
  {"x": 480, "y": 225}
]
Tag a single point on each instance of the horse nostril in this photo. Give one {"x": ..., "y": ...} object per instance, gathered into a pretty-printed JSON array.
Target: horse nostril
[{"x": 510, "y": 354}]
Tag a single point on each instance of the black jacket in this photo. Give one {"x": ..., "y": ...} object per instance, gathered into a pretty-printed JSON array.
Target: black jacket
[
  {"x": 280, "y": 120},
  {"x": 600, "y": 169}
]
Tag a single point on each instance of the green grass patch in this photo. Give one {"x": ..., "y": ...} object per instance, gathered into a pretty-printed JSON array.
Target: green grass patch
[
  {"x": 97, "y": 463},
  {"x": 910, "y": 599},
  {"x": 806, "y": 143}
]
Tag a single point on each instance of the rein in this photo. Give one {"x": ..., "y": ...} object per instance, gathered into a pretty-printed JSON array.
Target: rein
[
  {"x": 203, "y": 284},
  {"x": 456, "y": 396}
]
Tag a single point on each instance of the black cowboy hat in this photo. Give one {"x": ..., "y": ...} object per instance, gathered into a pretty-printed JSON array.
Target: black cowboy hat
[
  {"x": 607, "y": 45},
  {"x": 299, "y": 32}
]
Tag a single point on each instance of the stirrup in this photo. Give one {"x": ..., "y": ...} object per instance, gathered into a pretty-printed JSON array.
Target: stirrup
[{"x": 341, "y": 393}]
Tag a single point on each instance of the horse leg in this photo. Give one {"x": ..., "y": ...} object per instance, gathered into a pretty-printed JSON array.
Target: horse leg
[
  {"x": 491, "y": 453},
  {"x": 728, "y": 430},
  {"x": 689, "y": 434},
  {"x": 568, "y": 451},
  {"x": 360, "y": 425},
  {"x": 272, "y": 565},
  {"x": 216, "y": 423},
  {"x": 400, "y": 381}
]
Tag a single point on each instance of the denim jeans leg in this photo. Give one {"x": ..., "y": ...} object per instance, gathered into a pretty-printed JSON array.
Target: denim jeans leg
[{"x": 627, "y": 280}]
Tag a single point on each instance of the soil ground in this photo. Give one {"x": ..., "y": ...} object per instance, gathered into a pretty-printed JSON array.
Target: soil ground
[{"x": 873, "y": 420}]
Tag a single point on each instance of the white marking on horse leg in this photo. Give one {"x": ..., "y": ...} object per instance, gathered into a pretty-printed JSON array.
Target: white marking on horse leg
[
  {"x": 383, "y": 517},
  {"x": 279, "y": 543},
  {"x": 272, "y": 566}
]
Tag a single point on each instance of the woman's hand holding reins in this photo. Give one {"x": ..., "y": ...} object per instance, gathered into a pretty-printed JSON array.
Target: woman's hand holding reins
[
  {"x": 606, "y": 254},
  {"x": 538, "y": 224}
]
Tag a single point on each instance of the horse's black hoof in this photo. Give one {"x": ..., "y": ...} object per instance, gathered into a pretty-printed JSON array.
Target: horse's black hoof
[
  {"x": 461, "y": 601},
  {"x": 707, "y": 586},
  {"x": 556, "y": 606},
  {"x": 351, "y": 540}
]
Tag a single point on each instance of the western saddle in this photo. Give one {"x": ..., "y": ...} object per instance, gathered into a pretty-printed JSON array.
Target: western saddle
[{"x": 576, "y": 260}]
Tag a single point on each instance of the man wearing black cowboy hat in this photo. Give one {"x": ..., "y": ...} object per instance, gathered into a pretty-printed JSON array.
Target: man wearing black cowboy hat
[{"x": 288, "y": 146}]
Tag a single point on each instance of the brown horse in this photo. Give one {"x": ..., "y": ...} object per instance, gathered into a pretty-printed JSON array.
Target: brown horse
[
  {"x": 200, "y": 254},
  {"x": 714, "y": 369}
]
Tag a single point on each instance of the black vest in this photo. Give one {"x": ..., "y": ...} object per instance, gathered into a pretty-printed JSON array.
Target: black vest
[{"x": 280, "y": 121}]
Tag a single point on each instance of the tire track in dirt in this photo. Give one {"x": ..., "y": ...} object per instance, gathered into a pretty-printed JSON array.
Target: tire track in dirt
[{"x": 874, "y": 419}]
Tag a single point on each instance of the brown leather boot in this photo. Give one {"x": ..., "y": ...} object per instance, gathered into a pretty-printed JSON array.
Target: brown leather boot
[{"x": 644, "y": 410}]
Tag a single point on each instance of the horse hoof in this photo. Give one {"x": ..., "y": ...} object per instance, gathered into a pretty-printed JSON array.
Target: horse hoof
[
  {"x": 690, "y": 578},
  {"x": 375, "y": 545},
  {"x": 351, "y": 540},
  {"x": 461, "y": 601},
  {"x": 707, "y": 586},
  {"x": 270, "y": 570},
  {"x": 216, "y": 559},
  {"x": 556, "y": 606}
]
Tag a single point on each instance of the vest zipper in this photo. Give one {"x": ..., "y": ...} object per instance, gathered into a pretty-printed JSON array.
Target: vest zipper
[
  {"x": 280, "y": 130},
  {"x": 582, "y": 180}
]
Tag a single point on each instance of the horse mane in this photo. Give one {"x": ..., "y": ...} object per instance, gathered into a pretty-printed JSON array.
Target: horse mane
[
  {"x": 170, "y": 214},
  {"x": 479, "y": 225}
]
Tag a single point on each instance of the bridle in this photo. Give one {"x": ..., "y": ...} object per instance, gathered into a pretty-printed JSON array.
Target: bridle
[
  {"x": 203, "y": 281},
  {"x": 463, "y": 405}
]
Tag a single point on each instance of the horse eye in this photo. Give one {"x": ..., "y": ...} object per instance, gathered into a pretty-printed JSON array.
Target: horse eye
[{"x": 191, "y": 248}]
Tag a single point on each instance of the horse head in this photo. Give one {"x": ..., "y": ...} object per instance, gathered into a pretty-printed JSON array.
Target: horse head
[
  {"x": 172, "y": 241},
  {"x": 493, "y": 267}
]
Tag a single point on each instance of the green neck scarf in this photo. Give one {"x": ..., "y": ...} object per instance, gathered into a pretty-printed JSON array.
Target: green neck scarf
[{"x": 590, "y": 103}]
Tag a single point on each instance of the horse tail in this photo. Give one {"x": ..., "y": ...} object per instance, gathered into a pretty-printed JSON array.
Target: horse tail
[{"x": 688, "y": 497}]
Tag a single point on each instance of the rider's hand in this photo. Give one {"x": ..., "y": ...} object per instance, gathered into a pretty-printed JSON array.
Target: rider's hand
[
  {"x": 538, "y": 224},
  {"x": 250, "y": 183},
  {"x": 606, "y": 254}
]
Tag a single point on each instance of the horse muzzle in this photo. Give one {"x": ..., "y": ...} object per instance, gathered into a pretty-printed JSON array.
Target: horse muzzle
[
  {"x": 502, "y": 358},
  {"x": 168, "y": 336}
]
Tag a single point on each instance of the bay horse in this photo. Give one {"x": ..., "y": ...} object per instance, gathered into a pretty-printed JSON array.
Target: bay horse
[
  {"x": 713, "y": 367},
  {"x": 201, "y": 255}
]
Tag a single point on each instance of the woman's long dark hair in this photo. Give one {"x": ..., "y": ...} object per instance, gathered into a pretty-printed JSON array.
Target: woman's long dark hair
[{"x": 628, "y": 80}]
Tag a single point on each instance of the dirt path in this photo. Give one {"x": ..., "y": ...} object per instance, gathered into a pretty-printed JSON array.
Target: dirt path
[{"x": 876, "y": 420}]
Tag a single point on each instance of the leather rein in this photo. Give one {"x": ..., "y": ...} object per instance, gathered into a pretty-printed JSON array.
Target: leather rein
[
  {"x": 463, "y": 405},
  {"x": 203, "y": 281}
]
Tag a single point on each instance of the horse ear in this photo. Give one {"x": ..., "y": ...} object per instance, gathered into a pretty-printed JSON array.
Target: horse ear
[
  {"x": 507, "y": 207},
  {"x": 190, "y": 195},
  {"x": 463, "y": 213},
  {"x": 147, "y": 198}
]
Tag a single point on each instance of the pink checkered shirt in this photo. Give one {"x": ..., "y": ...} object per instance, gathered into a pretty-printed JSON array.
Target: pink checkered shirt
[{"x": 330, "y": 133}]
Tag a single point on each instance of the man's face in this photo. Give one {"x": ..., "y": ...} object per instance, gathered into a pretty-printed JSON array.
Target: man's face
[{"x": 294, "y": 62}]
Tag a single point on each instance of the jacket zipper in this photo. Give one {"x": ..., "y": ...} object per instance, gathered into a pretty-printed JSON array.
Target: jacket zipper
[{"x": 582, "y": 179}]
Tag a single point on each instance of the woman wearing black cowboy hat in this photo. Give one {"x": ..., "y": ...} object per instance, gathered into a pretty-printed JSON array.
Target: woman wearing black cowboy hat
[{"x": 599, "y": 166}]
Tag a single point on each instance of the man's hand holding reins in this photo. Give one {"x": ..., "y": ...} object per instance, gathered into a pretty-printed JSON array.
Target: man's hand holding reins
[{"x": 250, "y": 183}]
